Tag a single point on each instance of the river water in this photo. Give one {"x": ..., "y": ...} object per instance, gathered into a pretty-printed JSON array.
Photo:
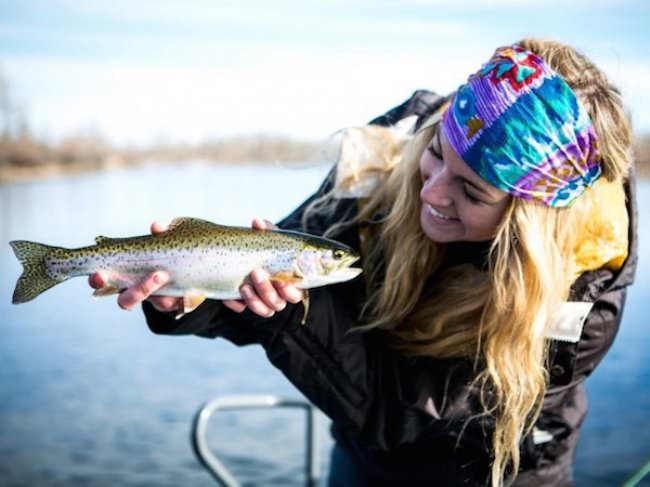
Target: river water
[{"x": 88, "y": 396}]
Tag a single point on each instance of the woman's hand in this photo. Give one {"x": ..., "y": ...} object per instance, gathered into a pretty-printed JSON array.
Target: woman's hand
[
  {"x": 264, "y": 297},
  {"x": 143, "y": 290}
]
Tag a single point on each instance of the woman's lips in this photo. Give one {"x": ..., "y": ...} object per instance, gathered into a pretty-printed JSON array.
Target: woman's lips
[{"x": 436, "y": 214}]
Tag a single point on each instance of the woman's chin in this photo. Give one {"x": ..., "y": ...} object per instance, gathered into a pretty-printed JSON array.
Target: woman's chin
[{"x": 438, "y": 229}]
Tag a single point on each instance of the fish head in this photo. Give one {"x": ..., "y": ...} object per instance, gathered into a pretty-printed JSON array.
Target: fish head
[{"x": 324, "y": 261}]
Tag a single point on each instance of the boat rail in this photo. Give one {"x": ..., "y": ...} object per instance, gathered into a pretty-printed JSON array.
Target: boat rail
[
  {"x": 217, "y": 469},
  {"x": 637, "y": 477},
  {"x": 219, "y": 472}
]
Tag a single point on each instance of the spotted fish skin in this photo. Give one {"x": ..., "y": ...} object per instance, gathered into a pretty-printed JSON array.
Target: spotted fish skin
[{"x": 203, "y": 260}]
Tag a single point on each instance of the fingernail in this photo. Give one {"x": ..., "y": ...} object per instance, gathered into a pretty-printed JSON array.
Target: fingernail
[
  {"x": 259, "y": 276},
  {"x": 158, "y": 277}
]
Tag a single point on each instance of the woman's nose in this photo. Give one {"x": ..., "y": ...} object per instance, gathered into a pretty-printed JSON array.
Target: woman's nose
[{"x": 436, "y": 190}]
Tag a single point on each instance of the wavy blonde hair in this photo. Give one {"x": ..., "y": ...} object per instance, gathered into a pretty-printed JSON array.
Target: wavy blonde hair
[{"x": 496, "y": 318}]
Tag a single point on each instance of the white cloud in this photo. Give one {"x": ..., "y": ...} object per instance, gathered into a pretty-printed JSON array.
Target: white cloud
[
  {"x": 290, "y": 92},
  {"x": 286, "y": 92},
  {"x": 339, "y": 68}
]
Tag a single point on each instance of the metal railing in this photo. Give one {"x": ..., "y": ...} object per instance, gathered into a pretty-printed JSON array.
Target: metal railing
[
  {"x": 639, "y": 475},
  {"x": 217, "y": 469}
]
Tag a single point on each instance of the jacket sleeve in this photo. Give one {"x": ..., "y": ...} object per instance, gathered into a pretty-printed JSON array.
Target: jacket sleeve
[
  {"x": 211, "y": 315},
  {"x": 421, "y": 103},
  {"x": 572, "y": 363},
  {"x": 354, "y": 377}
]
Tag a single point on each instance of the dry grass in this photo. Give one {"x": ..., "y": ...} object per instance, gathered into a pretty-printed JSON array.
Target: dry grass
[{"x": 24, "y": 157}]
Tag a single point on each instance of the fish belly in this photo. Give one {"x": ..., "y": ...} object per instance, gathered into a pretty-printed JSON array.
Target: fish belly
[
  {"x": 213, "y": 273},
  {"x": 220, "y": 274}
]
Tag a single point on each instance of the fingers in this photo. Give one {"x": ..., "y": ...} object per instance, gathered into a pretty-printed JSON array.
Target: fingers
[
  {"x": 261, "y": 297},
  {"x": 158, "y": 227},
  {"x": 286, "y": 292},
  {"x": 260, "y": 224},
  {"x": 137, "y": 293},
  {"x": 237, "y": 305},
  {"x": 289, "y": 292},
  {"x": 98, "y": 280},
  {"x": 166, "y": 303}
]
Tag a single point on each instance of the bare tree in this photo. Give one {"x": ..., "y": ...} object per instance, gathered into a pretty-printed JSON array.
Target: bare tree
[{"x": 5, "y": 108}]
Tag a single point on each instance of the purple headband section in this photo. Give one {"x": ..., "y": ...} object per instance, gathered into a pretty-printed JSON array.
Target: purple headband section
[{"x": 520, "y": 126}]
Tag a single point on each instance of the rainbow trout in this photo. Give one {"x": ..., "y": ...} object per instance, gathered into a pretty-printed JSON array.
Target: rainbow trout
[{"x": 204, "y": 260}]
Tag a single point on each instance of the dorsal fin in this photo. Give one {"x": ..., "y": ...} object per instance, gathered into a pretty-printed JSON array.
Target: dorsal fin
[
  {"x": 104, "y": 240},
  {"x": 187, "y": 223}
]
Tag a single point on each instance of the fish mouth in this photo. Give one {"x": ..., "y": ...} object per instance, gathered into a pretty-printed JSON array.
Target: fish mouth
[
  {"x": 344, "y": 271},
  {"x": 348, "y": 260},
  {"x": 341, "y": 269},
  {"x": 350, "y": 272},
  {"x": 341, "y": 275}
]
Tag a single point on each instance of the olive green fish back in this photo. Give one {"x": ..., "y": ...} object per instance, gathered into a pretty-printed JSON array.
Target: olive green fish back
[{"x": 186, "y": 231}]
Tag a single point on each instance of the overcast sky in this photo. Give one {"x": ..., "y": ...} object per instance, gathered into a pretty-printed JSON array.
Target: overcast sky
[{"x": 146, "y": 70}]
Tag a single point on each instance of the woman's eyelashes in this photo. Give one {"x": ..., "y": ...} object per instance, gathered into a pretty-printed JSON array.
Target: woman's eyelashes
[
  {"x": 470, "y": 197},
  {"x": 434, "y": 151}
]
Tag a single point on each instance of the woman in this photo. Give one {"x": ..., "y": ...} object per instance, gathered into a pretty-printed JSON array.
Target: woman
[{"x": 496, "y": 248}]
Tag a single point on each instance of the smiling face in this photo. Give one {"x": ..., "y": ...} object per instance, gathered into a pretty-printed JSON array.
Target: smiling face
[{"x": 457, "y": 205}]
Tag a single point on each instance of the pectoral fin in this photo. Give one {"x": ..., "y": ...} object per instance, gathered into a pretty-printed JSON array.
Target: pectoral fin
[
  {"x": 286, "y": 277},
  {"x": 305, "y": 304},
  {"x": 106, "y": 291},
  {"x": 191, "y": 301}
]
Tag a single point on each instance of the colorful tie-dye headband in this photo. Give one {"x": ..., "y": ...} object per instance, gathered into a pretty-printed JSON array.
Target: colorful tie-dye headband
[{"x": 520, "y": 126}]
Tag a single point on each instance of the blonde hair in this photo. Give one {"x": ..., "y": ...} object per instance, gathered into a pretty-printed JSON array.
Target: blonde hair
[{"x": 496, "y": 318}]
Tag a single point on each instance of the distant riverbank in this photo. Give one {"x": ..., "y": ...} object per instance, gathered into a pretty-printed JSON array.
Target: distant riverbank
[{"x": 24, "y": 158}]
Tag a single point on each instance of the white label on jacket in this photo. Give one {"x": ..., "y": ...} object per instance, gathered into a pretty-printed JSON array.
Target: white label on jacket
[
  {"x": 568, "y": 321},
  {"x": 541, "y": 436}
]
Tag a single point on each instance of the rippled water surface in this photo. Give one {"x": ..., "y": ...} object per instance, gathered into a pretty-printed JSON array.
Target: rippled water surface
[{"x": 88, "y": 396}]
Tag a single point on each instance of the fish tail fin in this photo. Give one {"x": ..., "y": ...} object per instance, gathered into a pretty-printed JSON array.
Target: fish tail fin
[{"x": 34, "y": 279}]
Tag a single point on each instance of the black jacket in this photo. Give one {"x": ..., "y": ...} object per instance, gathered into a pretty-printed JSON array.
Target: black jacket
[{"x": 400, "y": 417}]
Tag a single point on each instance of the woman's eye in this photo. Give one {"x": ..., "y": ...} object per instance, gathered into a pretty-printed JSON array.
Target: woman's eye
[
  {"x": 471, "y": 198},
  {"x": 434, "y": 151}
]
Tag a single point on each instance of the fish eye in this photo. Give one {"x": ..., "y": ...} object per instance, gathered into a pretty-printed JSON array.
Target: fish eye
[{"x": 338, "y": 254}]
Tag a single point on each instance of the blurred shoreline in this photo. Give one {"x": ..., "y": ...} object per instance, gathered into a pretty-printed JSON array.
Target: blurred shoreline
[{"x": 24, "y": 158}]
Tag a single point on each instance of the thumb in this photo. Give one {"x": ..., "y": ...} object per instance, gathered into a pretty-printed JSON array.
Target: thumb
[
  {"x": 260, "y": 224},
  {"x": 158, "y": 227}
]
